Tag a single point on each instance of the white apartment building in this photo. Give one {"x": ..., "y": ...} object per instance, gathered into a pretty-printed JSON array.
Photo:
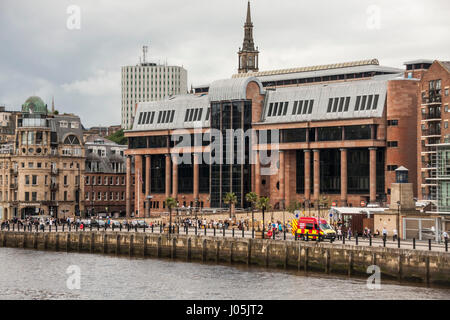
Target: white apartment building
[{"x": 149, "y": 82}]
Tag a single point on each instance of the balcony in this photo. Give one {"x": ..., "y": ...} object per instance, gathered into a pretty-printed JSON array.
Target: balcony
[
  {"x": 433, "y": 98},
  {"x": 431, "y": 132},
  {"x": 54, "y": 171},
  {"x": 13, "y": 185},
  {"x": 14, "y": 170},
  {"x": 53, "y": 186},
  {"x": 432, "y": 116}
]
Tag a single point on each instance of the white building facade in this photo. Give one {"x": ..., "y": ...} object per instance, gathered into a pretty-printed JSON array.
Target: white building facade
[{"x": 149, "y": 82}]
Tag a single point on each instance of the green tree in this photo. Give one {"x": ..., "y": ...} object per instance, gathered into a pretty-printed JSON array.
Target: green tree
[
  {"x": 252, "y": 197},
  {"x": 170, "y": 204},
  {"x": 118, "y": 137},
  {"x": 230, "y": 199},
  {"x": 294, "y": 205},
  {"x": 263, "y": 204}
]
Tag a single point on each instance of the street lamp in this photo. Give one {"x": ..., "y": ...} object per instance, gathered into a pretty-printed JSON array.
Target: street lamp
[{"x": 398, "y": 217}]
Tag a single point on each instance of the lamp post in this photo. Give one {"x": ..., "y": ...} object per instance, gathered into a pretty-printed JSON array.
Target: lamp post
[{"x": 398, "y": 218}]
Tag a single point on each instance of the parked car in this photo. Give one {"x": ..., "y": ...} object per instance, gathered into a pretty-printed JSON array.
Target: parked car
[{"x": 142, "y": 224}]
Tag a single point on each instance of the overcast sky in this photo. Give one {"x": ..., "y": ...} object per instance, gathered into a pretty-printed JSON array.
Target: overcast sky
[{"x": 40, "y": 55}]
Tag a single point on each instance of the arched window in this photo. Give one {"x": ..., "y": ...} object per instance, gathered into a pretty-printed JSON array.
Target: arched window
[{"x": 72, "y": 140}]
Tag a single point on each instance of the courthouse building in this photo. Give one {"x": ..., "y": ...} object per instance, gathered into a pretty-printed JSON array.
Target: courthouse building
[{"x": 343, "y": 129}]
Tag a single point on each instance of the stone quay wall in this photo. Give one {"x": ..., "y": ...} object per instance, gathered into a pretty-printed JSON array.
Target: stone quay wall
[{"x": 426, "y": 267}]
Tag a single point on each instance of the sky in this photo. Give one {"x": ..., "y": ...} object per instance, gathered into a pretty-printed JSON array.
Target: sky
[{"x": 48, "y": 49}]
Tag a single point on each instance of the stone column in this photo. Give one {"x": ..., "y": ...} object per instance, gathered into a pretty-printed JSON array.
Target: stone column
[
  {"x": 373, "y": 174},
  {"x": 257, "y": 174},
  {"x": 196, "y": 177},
  {"x": 138, "y": 195},
  {"x": 316, "y": 177},
  {"x": 174, "y": 177},
  {"x": 307, "y": 174},
  {"x": 343, "y": 177},
  {"x": 282, "y": 179},
  {"x": 128, "y": 187},
  {"x": 147, "y": 184},
  {"x": 168, "y": 171}
]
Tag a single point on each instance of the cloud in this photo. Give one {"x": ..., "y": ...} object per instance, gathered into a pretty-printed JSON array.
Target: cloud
[{"x": 81, "y": 68}]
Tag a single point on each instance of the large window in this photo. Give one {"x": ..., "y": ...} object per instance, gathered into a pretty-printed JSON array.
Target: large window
[
  {"x": 330, "y": 171},
  {"x": 357, "y": 132},
  {"x": 293, "y": 135},
  {"x": 358, "y": 171},
  {"x": 330, "y": 133},
  {"x": 158, "y": 174}
]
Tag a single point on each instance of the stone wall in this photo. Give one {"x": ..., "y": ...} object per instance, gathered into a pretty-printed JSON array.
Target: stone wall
[{"x": 402, "y": 264}]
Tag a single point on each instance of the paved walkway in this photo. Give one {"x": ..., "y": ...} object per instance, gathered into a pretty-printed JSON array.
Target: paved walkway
[{"x": 376, "y": 242}]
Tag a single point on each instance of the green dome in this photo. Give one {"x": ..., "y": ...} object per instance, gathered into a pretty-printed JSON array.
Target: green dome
[{"x": 34, "y": 105}]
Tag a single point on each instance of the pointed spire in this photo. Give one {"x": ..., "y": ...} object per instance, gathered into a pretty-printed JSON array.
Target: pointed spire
[{"x": 249, "y": 16}]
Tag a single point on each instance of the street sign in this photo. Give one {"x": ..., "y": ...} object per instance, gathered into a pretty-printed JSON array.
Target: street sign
[
  {"x": 331, "y": 215},
  {"x": 297, "y": 213},
  {"x": 333, "y": 204}
]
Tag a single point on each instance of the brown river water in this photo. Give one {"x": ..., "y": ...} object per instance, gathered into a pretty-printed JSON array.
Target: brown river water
[{"x": 29, "y": 274}]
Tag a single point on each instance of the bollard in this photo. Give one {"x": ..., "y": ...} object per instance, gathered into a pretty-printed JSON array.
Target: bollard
[
  {"x": 113, "y": 228},
  {"x": 243, "y": 234},
  {"x": 414, "y": 243},
  {"x": 343, "y": 238},
  {"x": 56, "y": 227},
  {"x": 370, "y": 240},
  {"x": 295, "y": 237},
  {"x": 120, "y": 228},
  {"x": 98, "y": 227},
  {"x": 224, "y": 231},
  {"x": 50, "y": 228},
  {"x": 128, "y": 227},
  {"x": 398, "y": 242},
  {"x": 284, "y": 234},
  {"x": 214, "y": 231},
  {"x": 196, "y": 229},
  {"x": 429, "y": 244},
  {"x": 70, "y": 227},
  {"x": 63, "y": 227},
  {"x": 446, "y": 245},
  {"x": 356, "y": 238},
  {"x": 384, "y": 242},
  {"x": 205, "y": 231},
  {"x": 152, "y": 228},
  {"x": 187, "y": 230},
  {"x": 160, "y": 228},
  {"x": 232, "y": 232},
  {"x": 14, "y": 226},
  {"x": 135, "y": 228},
  {"x": 273, "y": 235},
  {"x": 253, "y": 233},
  {"x": 90, "y": 227},
  {"x": 144, "y": 228}
]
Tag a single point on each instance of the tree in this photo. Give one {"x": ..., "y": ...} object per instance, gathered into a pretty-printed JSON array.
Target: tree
[
  {"x": 293, "y": 206},
  {"x": 170, "y": 204},
  {"x": 252, "y": 197},
  {"x": 230, "y": 199},
  {"x": 263, "y": 204},
  {"x": 118, "y": 137}
]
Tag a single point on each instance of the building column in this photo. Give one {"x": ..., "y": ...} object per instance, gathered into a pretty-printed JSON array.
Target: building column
[
  {"x": 175, "y": 177},
  {"x": 307, "y": 174},
  {"x": 316, "y": 177},
  {"x": 168, "y": 171},
  {"x": 373, "y": 174},
  {"x": 139, "y": 196},
  {"x": 282, "y": 179},
  {"x": 257, "y": 174},
  {"x": 128, "y": 188},
  {"x": 196, "y": 179},
  {"x": 343, "y": 177},
  {"x": 147, "y": 185}
]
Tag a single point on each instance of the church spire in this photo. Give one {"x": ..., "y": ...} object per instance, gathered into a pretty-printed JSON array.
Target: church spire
[{"x": 248, "y": 56}]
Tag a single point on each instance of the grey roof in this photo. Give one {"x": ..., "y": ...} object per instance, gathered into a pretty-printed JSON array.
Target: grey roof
[
  {"x": 418, "y": 61},
  {"x": 104, "y": 163},
  {"x": 329, "y": 72},
  {"x": 64, "y": 132},
  {"x": 446, "y": 65},
  {"x": 179, "y": 105},
  {"x": 231, "y": 89},
  {"x": 321, "y": 95}
]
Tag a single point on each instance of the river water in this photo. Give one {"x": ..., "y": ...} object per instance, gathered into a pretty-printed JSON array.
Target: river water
[{"x": 29, "y": 274}]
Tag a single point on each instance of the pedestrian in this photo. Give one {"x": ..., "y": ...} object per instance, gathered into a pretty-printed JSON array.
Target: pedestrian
[
  {"x": 445, "y": 236},
  {"x": 349, "y": 233},
  {"x": 339, "y": 233},
  {"x": 385, "y": 233},
  {"x": 395, "y": 236}
]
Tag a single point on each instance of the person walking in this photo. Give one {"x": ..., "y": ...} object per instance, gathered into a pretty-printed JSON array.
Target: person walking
[{"x": 349, "y": 234}]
